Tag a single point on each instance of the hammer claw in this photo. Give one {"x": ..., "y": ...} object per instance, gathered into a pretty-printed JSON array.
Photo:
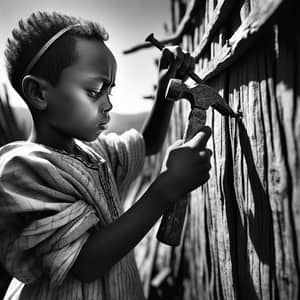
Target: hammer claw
[{"x": 224, "y": 109}]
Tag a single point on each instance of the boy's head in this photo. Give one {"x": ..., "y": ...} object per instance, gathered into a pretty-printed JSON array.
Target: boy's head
[
  {"x": 66, "y": 87},
  {"x": 32, "y": 34}
]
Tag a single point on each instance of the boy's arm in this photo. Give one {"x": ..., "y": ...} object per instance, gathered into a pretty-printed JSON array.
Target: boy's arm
[
  {"x": 173, "y": 64},
  {"x": 187, "y": 168},
  {"x": 112, "y": 242}
]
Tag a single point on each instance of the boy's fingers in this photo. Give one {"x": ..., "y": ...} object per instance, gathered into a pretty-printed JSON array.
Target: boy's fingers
[
  {"x": 205, "y": 155},
  {"x": 172, "y": 58},
  {"x": 200, "y": 139},
  {"x": 177, "y": 63},
  {"x": 176, "y": 144},
  {"x": 166, "y": 58},
  {"x": 187, "y": 65}
]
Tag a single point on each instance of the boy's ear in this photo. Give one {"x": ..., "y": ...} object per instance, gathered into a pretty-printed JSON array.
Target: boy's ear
[{"x": 34, "y": 90}]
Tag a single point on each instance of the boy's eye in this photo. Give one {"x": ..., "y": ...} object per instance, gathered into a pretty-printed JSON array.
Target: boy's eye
[
  {"x": 106, "y": 89},
  {"x": 94, "y": 94}
]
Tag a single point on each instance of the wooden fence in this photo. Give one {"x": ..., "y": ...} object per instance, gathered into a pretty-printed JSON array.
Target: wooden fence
[{"x": 243, "y": 231}]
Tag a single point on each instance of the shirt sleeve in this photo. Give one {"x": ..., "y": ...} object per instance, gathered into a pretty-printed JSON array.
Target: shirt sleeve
[
  {"x": 125, "y": 154},
  {"x": 43, "y": 227}
]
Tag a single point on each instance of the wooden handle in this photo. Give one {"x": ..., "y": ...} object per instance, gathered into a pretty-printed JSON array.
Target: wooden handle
[{"x": 172, "y": 223}]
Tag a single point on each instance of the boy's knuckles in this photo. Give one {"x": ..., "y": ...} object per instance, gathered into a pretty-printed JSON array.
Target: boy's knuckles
[
  {"x": 166, "y": 53},
  {"x": 167, "y": 57},
  {"x": 191, "y": 63},
  {"x": 188, "y": 61},
  {"x": 189, "y": 181},
  {"x": 206, "y": 167},
  {"x": 205, "y": 155},
  {"x": 190, "y": 176},
  {"x": 178, "y": 50}
]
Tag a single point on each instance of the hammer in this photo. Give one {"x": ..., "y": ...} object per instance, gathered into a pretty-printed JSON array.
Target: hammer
[
  {"x": 201, "y": 97},
  {"x": 220, "y": 105}
]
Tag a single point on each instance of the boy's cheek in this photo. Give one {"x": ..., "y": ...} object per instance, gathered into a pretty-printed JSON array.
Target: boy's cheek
[{"x": 72, "y": 106}]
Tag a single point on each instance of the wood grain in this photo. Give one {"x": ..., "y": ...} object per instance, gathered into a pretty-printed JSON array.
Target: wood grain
[{"x": 243, "y": 227}]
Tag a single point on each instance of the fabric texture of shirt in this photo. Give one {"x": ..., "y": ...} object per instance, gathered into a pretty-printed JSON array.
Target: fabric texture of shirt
[{"x": 50, "y": 203}]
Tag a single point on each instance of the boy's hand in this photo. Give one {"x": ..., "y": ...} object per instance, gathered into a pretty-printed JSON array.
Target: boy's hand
[
  {"x": 172, "y": 147},
  {"x": 174, "y": 63},
  {"x": 188, "y": 165}
]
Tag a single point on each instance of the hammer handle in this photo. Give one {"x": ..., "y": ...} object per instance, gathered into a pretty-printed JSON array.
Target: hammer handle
[{"x": 172, "y": 223}]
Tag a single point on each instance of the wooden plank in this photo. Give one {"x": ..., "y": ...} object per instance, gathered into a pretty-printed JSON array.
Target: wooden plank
[
  {"x": 245, "y": 10},
  {"x": 247, "y": 139},
  {"x": 221, "y": 12},
  {"x": 243, "y": 230},
  {"x": 296, "y": 127},
  {"x": 287, "y": 111},
  {"x": 241, "y": 40},
  {"x": 262, "y": 135},
  {"x": 217, "y": 206}
]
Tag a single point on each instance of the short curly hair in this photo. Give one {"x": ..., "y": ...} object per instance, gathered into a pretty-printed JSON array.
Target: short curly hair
[{"x": 31, "y": 34}]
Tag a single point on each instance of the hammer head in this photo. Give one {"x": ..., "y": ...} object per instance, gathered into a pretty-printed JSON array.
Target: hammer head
[{"x": 200, "y": 95}]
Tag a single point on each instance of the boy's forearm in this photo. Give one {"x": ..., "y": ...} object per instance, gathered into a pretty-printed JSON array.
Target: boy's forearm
[
  {"x": 108, "y": 245},
  {"x": 174, "y": 63},
  {"x": 156, "y": 126}
]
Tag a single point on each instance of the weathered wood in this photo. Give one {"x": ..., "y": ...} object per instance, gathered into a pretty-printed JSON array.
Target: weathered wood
[
  {"x": 254, "y": 242},
  {"x": 287, "y": 108},
  {"x": 242, "y": 235},
  {"x": 242, "y": 39},
  {"x": 295, "y": 206},
  {"x": 212, "y": 24}
]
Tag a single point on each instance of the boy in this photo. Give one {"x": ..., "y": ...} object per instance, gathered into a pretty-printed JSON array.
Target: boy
[{"x": 63, "y": 233}]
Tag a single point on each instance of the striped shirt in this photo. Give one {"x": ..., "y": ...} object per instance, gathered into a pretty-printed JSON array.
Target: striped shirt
[{"x": 51, "y": 202}]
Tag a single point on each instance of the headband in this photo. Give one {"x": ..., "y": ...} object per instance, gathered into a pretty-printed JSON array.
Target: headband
[{"x": 36, "y": 58}]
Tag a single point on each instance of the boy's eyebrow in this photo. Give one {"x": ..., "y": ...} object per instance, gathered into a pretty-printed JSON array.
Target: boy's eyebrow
[{"x": 106, "y": 80}]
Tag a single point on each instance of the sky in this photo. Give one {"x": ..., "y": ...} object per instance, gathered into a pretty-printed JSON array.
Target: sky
[{"x": 128, "y": 22}]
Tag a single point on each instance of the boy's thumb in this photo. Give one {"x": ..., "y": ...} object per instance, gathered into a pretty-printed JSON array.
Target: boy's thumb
[{"x": 199, "y": 140}]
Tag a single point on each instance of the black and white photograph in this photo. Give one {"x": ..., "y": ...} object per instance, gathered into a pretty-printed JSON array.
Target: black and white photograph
[{"x": 149, "y": 150}]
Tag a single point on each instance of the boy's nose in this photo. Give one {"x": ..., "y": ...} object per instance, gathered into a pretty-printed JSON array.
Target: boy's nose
[{"x": 107, "y": 105}]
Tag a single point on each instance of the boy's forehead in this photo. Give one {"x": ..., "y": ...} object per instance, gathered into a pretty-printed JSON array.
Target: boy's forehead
[{"x": 94, "y": 57}]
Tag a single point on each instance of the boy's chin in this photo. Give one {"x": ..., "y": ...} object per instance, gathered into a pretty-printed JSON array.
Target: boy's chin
[
  {"x": 94, "y": 137},
  {"x": 91, "y": 139}
]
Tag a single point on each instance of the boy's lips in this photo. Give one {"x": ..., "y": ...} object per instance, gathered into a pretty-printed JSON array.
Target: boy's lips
[
  {"x": 104, "y": 122},
  {"x": 101, "y": 127}
]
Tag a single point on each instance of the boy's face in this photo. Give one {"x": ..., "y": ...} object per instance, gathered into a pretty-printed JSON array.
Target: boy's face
[{"x": 79, "y": 105}]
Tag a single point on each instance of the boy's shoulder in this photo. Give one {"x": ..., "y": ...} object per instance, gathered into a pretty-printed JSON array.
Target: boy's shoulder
[
  {"x": 21, "y": 151},
  {"x": 22, "y": 148}
]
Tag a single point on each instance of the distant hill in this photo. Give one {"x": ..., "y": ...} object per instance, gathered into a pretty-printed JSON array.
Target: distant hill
[{"x": 121, "y": 122}]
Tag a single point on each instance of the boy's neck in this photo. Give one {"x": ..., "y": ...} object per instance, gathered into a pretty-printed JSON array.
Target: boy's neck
[{"x": 52, "y": 140}]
